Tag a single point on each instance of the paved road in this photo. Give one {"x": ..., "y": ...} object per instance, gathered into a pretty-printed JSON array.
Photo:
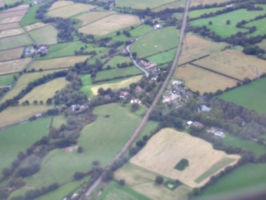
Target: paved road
[{"x": 146, "y": 117}]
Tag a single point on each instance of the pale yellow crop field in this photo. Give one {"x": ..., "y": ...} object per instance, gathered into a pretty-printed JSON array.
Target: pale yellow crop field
[
  {"x": 17, "y": 114},
  {"x": 56, "y": 63},
  {"x": 20, "y": 7},
  {"x": 173, "y": 5},
  {"x": 109, "y": 24},
  {"x": 201, "y": 80},
  {"x": 195, "y": 47},
  {"x": 93, "y": 16},
  {"x": 12, "y": 19},
  {"x": 35, "y": 26},
  {"x": 9, "y": 14},
  {"x": 45, "y": 91},
  {"x": 204, "y": 2},
  {"x": 234, "y": 64},
  {"x": 59, "y": 4},
  {"x": 7, "y": 26},
  {"x": 115, "y": 86},
  {"x": 11, "y": 54},
  {"x": 11, "y": 32},
  {"x": 142, "y": 181},
  {"x": 12, "y": 66},
  {"x": 70, "y": 10},
  {"x": 167, "y": 147}
]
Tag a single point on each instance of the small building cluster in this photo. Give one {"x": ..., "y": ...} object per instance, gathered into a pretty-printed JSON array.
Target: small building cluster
[
  {"x": 195, "y": 124},
  {"x": 135, "y": 101},
  {"x": 147, "y": 64},
  {"x": 157, "y": 26},
  {"x": 42, "y": 49},
  {"x": 77, "y": 107},
  {"x": 216, "y": 131},
  {"x": 29, "y": 51}
]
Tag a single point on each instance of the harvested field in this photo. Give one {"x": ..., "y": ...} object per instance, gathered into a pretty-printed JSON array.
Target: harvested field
[
  {"x": 17, "y": 114},
  {"x": 59, "y": 4},
  {"x": 234, "y": 64},
  {"x": 70, "y": 10},
  {"x": 115, "y": 86},
  {"x": 142, "y": 181},
  {"x": 12, "y": 66},
  {"x": 169, "y": 146},
  {"x": 45, "y": 91},
  {"x": 142, "y": 4},
  {"x": 262, "y": 44},
  {"x": 198, "y": 2},
  {"x": 15, "y": 41},
  {"x": 173, "y": 5},
  {"x": 11, "y": 54},
  {"x": 195, "y": 47},
  {"x": 6, "y": 26},
  {"x": 45, "y": 35},
  {"x": 109, "y": 24},
  {"x": 202, "y": 80},
  {"x": 11, "y": 19},
  {"x": 11, "y": 32},
  {"x": 35, "y": 26},
  {"x": 20, "y": 7},
  {"x": 19, "y": 13},
  {"x": 57, "y": 63},
  {"x": 93, "y": 16}
]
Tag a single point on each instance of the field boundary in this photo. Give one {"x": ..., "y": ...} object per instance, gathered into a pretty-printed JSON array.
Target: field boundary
[
  {"x": 96, "y": 20},
  {"x": 164, "y": 5}
]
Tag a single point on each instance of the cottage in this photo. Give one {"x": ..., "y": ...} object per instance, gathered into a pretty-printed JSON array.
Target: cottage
[{"x": 139, "y": 89}]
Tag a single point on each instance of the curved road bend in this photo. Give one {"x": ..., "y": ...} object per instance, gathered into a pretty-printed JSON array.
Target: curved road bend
[{"x": 146, "y": 117}]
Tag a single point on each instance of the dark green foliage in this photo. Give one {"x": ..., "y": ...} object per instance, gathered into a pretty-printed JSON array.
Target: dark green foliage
[
  {"x": 183, "y": 164},
  {"x": 159, "y": 180}
]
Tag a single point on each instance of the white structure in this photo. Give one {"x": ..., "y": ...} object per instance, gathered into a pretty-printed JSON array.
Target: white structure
[
  {"x": 189, "y": 123},
  {"x": 157, "y": 26}
]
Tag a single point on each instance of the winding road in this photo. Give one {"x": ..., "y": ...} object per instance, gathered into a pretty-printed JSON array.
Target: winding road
[{"x": 157, "y": 98}]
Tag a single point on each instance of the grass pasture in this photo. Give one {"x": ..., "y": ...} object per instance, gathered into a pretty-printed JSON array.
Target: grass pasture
[
  {"x": 44, "y": 35},
  {"x": 251, "y": 96},
  {"x": 70, "y": 10},
  {"x": 172, "y": 5},
  {"x": 93, "y": 17},
  {"x": 259, "y": 24},
  {"x": 15, "y": 41},
  {"x": 198, "y": 13},
  {"x": 234, "y": 64},
  {"x": 57, "y": 63},
  {"x": 155, "y": 42},
  {"x": 29, "y": 17},
  {"x": 7, "y": 79},
  {"x": 117, "y": 60},
  {"x": 45, "y": 91},
  {"x": 202, "y": 80},
  {"x": 59, "y": 4},
  {"x": 7, "y": 26},
  {"x": 197, "y": 2},
  {"x": 142, "y": 4},
  {"x": 162, "y": 58},
  {"x": 25, "y": 134},
  {"x": 11, "y": 32},
  {"x": 58, "y": 121},
  {"x": 109, "y": 24},
  {"x": 8, "y": 67},
  {"x": 35, "y": 26},
  {"x": 11, "y": 54},
  {"x": 201, "y": 158}
]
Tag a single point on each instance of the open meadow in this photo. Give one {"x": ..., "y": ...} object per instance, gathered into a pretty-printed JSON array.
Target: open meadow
[
  {"x": 7, "y": 26},
  {"x": 91, "y": 17},
  {"x": 109, "y": 24},
  {"x": 235, "y": 64},
  {"x": 162, "y": 58},
  {"x": 11, "y": 54},
  {"x": 201, "y": 80},
  {"x": 8, "y": 67},
  {"x": 142, "y": 4},
  {"x": 45, "y": 35},
  {"x": 57, "y": 63},
  {"x": 15, "y": 41},
  {"x": 29, "y": 17},
  {"x": 35, "y": 26},
  {"x": 11, "y": 32},
  {"x": 251, "y": 96},
  {"x": 7, "y": 79},
  {"x": 260, "y": 28},
  {"x": 45, "y": 91},
  {"x": 204, "y": 2},
  {"x": 203, "y": 160},
  {"x": 58, "y": 121},
  {"x": 157, "y": 41},
  {"x": 172, "y": 5},
  {"x": 198, "y": 13}
]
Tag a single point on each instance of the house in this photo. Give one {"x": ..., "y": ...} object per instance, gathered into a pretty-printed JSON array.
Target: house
[
  {"x": 123, "y": 94},
  {"x": 157, "y": 26},
  {"x": 230, "y": 5},
  {"x": 216, "y": 131},
  {"x": 77, "y": 107},
  {"x": 139, "y": 89},
  {"x": 195, "y": 124},
  {"x": 43, "y": 49},
  {"x": 177, "y": 82},
  {"x": 135, "y": 101},
  {"x": 204, "y": 108}
]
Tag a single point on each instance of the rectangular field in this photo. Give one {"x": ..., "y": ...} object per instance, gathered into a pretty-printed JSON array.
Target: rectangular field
[
  {"x": 7, "y": 26},
  {"x": 164, "y": 57},
  {"x": 11, "y": 54},
  {"x": 57, "y": 63},
  {"x": 162, "y": 148},
  {"x": 45, "y": 35},
  {"x": 35, "y": 26},
  {"x": 12, "y": 66},
  {"x": 93, "y": 16},
  {"x": 68, "y": 11},
  {"x": 142, "y": 4},
  {"x": 15, "y": 41},
  {"x": 11, "y": 19},
  {"x": 11, "y": 32},
  {"x": 201, "y": 80},
  {"x": 198, "y": 13},
  {"x": 9, "y": 14},
  {"x": 234, "y": 64},
  {"x": 109, "y": 24},
  {"x": 7, "y": 79}
]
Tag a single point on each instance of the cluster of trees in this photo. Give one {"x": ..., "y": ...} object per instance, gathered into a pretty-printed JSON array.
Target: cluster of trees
[{"x": 5, "y": 7}]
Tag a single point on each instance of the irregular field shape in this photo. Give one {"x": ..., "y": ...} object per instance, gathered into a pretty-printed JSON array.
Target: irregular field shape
[
  {"x": 13, "y": 13},
  {"x": 15, "y": 114},
  {"x": 11, "y": 32},
  {"x": 155, "y": 42},
  {"x": 195, "y": 47},
  {"x": 58, "y": 121},
  {"x": 11, "y": 19},
  {"x": 35, "y": 26},
  {"x": 262, "y": 44},
  {"x": 142, "y": 181},
  {"x": 93, "y": 16},
  {"x": 234, "y": 64},
  {"x": 142, "y": 4},
  {"x": 202, "y": 80},
  {"x": 115, "y": 86},
  {"x": 169, "y": 147},
  {"x": 57, "y": 63},
  {"x": 260, "y": 25},
  {"x": 45, "y": 91},
  {"x": 11, "y": 54},
  {"x": 7, "y": 26},
  {"x": 45, "y": 35},
  {"x": 109, "y": 24},
  {"x": 8, "y": 67},
  {"x": 70, "y": 10},
  {"x": 59, "y": 4},
  {"x": 15, "y": 41},
  {"x": 174, "y": 5}
]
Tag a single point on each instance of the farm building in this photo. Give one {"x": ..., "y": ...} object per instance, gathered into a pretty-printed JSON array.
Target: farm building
[
  {"x": 157, "y": 26},
  {"x": 216, "y": 131},
  {"x": 195, "y": 124}
]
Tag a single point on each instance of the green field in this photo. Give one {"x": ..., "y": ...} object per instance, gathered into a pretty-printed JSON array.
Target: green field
[
  {"x": 260, "y": 25},
  {"x": 251, "y": 96},
  {"x": 247, "y": 144},
  {"x": 115, "y": 73},
  {"x": 142, "y": 4},
  {"x": 29, "y": 17},
  {"x": 117, "y": 60},
  {"x": 15, "y": 41},
  {"x": 198, "y": 13},
  {"x": 58, "y": 121},
  {"x": 19, "y": 138},
  {"x": 117, "y": 192},
  {"x": 243, "y": 178},
  {"x": 219, "y": 25},
  {"x": 162, "y": 58},
  {"x": 44, "y": 35},
  {"x": 7, "y": 79},
  {"x": 155, "y": 42}
]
